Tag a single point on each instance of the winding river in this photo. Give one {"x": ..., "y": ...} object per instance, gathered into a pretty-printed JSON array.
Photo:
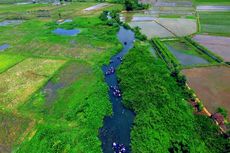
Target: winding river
[{"x": 117, "y": 127}]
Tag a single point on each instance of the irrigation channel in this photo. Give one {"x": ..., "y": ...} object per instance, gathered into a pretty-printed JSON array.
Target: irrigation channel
[{"x": 118, "y": 126}]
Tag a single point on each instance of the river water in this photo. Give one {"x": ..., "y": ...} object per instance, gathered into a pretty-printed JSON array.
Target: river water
[{"x": 117, "y": 127}]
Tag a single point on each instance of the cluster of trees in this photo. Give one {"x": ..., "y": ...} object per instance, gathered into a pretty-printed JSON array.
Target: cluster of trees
[{"x": 164, "y": 120}]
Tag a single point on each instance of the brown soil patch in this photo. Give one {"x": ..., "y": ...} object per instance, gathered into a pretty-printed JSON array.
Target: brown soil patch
[{"x": 211, "y": 85}]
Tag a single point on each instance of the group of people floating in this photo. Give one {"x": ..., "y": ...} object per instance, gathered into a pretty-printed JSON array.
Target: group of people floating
[
  {"x": 111, "y": 70},
  {"x": 116, "y": 91},
  {"x": 118, "y": 148}
]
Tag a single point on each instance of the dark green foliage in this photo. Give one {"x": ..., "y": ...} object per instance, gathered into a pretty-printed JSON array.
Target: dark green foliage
[
  {"x": 178, "y": 147},
  {"x": 165, "y": 54},
  {"x": 164, "y": 120},
  {"x": 138, "y": 34},
  {"x": 104, "y": 15},
  {"x": 131, "y": 5},
  {"x": 210, "y": 134}
]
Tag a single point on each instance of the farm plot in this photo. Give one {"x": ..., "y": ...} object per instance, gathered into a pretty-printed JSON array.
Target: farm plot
[
  {"x": 217, "y": 44},
  {"x": 11, "y": 129},
  {"x": 164, "y": 27},
  {"x": 19, "y": 82},
  {"x": 212, "y": 86},
  {"x": 152, "y": 29},
  {"x": 185, "y": 53},
  {"x": 215, "y": 23},
  {"x": 180, "y": 27},
  {"x": 8, "y": 61}
]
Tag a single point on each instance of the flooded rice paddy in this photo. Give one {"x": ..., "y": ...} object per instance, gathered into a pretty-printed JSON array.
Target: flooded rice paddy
[
  {"x": 153, "y": 26},
  {"x": 64, "y": 32},
  {"x": 217, "y": 44},
  {"x": 186, "y": 55},
  {"x": 213, "y": 8}
]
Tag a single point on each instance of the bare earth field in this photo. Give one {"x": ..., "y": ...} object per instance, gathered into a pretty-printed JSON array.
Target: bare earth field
[
  {"x": 217, "y": 44},
  {"x": 211, "y": 85}
]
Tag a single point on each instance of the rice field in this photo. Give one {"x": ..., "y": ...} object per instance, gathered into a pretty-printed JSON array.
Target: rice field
[
  {"x": 185, "y": 53},
  {"x": 19, "y": 82},
  {"x": 217, "y": 44},
  {"x": 212, "y": 86},
  {"x": 152, "y": 29},
  {"x": 215, "y": 23}
]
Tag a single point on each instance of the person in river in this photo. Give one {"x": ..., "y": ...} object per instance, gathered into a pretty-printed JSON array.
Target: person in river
[{"x": 118, "y": 148}]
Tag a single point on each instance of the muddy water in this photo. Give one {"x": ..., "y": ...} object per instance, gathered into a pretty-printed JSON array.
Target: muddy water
[
  {"x": 4, "y": 46},
  {"x": 186, "y": 59},
  {"x": 118, "y": 126},
  {"x": 64, "y": 32}
]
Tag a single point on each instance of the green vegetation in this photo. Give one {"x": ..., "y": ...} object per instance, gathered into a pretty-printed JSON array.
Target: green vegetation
[
  {"x": 8, "y": 61},
  {"x": 164, "y": 120},
  {"x": 71, "y": 122},
  {"x": 216, "y": 23},
  {"x": 165, "y": 54}
]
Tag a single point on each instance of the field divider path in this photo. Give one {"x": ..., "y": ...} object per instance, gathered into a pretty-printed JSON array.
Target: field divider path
[{"x": 165, "y": 28}]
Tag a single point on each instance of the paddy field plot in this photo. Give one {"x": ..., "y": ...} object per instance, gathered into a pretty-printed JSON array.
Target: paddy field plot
[
  {"x": 151, "y": 29},
  {"x": 180, "y": 27},
  {"x": 185, "y": 53},
  {"x": 215, "y": 23},
  {"x": 211, "y": 85},
  {"x": 165, "y": 27},
  {"x": 217, "y": 44},
  {"x": 20, "y": 81}
]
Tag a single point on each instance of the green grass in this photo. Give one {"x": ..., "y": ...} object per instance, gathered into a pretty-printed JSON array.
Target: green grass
[
  {"x": 216, "y": 23},
  {"x": 71, "y": 124},
  {"x": 164, "y": 119},
  {"x": 8, "y": 61}
]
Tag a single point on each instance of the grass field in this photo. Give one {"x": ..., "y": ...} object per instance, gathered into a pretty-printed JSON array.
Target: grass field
[
  {"x": 211, "y": 85},
  {"x": 8, "y": 61},
  {"x": 19, "y": 82}
]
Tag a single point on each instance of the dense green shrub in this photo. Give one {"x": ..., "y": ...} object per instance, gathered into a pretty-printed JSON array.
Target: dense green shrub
[{"x": 164, "y": 120}]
